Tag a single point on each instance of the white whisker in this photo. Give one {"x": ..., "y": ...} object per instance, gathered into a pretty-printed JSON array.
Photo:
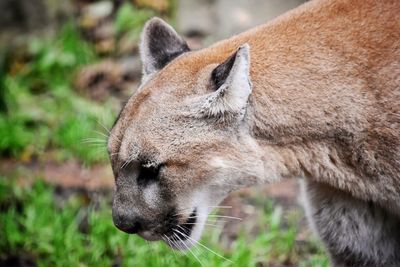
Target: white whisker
[
  {"x": 208, "y": 224},
  {"x": 223, "y": 216},
  {"x": 104, "y": 127},
  {"x": 191, "y": 242},
  {"x": 217, "y": 216},
  {"x": 175, "y": 242},
  {"x": 93, "y": 140},
  {"x": 169, "y": 242},
  {"x": 225, "y": 184},
  {"x": 126, "y": 163},
  {"x": 220, "y": 207},
  {"x": 210, "y": 250},
  {"x": 181, "y": 211},
  {"x": 194, "y": 255},
  {"x": 102, "y": 134}
]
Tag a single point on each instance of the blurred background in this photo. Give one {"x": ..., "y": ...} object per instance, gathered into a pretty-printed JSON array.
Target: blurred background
[{"x": 66, "y": 67}]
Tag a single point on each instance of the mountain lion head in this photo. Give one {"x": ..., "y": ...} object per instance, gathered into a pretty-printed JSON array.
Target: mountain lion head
[{"x": 181, "y": 142}]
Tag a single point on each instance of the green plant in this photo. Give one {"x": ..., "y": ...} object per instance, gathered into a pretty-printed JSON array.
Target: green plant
[
  {"x": 45, "y": 113},
  {"x": 130, "y": 18},
  {"x": 73, "y": 232},
  {"x": 129, "y": 22}
]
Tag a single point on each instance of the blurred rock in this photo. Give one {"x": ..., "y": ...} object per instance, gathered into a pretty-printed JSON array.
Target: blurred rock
[
  {"x": 128, "y": 45},
  {"x": 105, "y": 31},
  {"x": 219, "y": 19},
  {"x": 196, "y": 17},
  {"x": 239, "y": 15},
  {"x": 99, "y": 10},
  {"x": 91, "y": 15},
  {"x": 22, "y": 15},
  {"x": 118, "y": 78},
  {"x": 105, "y": 47},
  {"x": 158, "y": 5},
  {"x": 22, "y": 18},
  {"x": 195, "y": 42},
  {"x": 95, "y": 20},
  {"x": 247, "y": 204}
]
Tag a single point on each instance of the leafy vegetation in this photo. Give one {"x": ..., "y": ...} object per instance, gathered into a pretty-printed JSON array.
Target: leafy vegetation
[
  {"x": 75, "y": 232},
  {"x": 129, "y": 18},
  {"x": 39, "y": 108},
  {"x": 43, "y": 111}
]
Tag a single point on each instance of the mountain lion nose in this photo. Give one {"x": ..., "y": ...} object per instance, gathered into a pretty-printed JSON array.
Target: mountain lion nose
[
  {"x": 131, "y": 227},
  {"x": 128, "y": 224}
]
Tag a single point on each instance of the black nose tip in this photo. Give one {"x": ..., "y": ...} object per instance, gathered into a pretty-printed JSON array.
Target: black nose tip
[
  {"x": 131, "y": 227},
  {"x": 127, "y": 222}
]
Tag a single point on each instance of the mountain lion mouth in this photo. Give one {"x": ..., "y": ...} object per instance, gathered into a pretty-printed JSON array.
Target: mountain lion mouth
[{"x": 179, "y": 233}]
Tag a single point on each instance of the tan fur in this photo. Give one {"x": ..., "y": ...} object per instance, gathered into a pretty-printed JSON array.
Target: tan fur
[{"x": 325, "y": 105}]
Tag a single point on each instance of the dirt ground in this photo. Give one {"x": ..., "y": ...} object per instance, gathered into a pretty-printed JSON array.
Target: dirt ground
[{"x": 72, "y": 177}]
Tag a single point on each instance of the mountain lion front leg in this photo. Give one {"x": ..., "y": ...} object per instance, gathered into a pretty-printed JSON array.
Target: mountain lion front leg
[{"x": 355, "y": 232}]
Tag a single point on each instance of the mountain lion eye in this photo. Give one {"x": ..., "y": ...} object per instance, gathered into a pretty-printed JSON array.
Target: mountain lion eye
[{"x": 148, "y": 173}]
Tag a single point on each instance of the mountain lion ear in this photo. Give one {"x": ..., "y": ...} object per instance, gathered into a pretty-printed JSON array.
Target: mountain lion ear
[
  {"x": 231, "y": 80},
  {"x": 160, "y": 44}
]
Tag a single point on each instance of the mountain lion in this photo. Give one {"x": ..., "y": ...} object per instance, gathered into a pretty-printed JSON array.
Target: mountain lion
[{"x": 313, "y": 94}]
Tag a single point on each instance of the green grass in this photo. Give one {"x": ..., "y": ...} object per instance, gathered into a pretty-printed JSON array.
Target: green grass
[
  {"x": 75, "y": 232},
  {"x": 43, "y": 110}
]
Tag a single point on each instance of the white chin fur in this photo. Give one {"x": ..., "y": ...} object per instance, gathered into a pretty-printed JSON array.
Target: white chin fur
[
  {"x": 195, "y": 235},
  {"x": 199, "y": 226}
]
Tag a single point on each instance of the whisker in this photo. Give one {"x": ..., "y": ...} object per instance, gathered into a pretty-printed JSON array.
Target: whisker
[
  {"x": 220, "y": 207},
  {"x": 217, "y": 216},
  {"x": 225, "y": 217},
  {"x": 96, "y": 145},
  {"x": 108, "y": 132},
  {"x": 126, "y": 163},
  {"x": 102, "y": 134},
  {"x": 104, "y": 127},
  {"x": 184, "y": 209},
  {"x": 194, "y": 255},
  {"x": 169, "y": 242},
  {"x": 224, "y": 184},
  {"x": 174, "y": 242},
  {"x": 197, "y": 248},
  {"x": 181, "y": 211},
  {"x": 212, "y": 219},
  {"x": 99, "y": 146},
  {"x": 93, "y": 140},
  {"x": 207, "y": 224},
  {"x": 130, "y": 159},
  {"x": 210, "y": 250},
  {"x": 183, "y": 242},
  {"x": 209, "y": 216}
]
